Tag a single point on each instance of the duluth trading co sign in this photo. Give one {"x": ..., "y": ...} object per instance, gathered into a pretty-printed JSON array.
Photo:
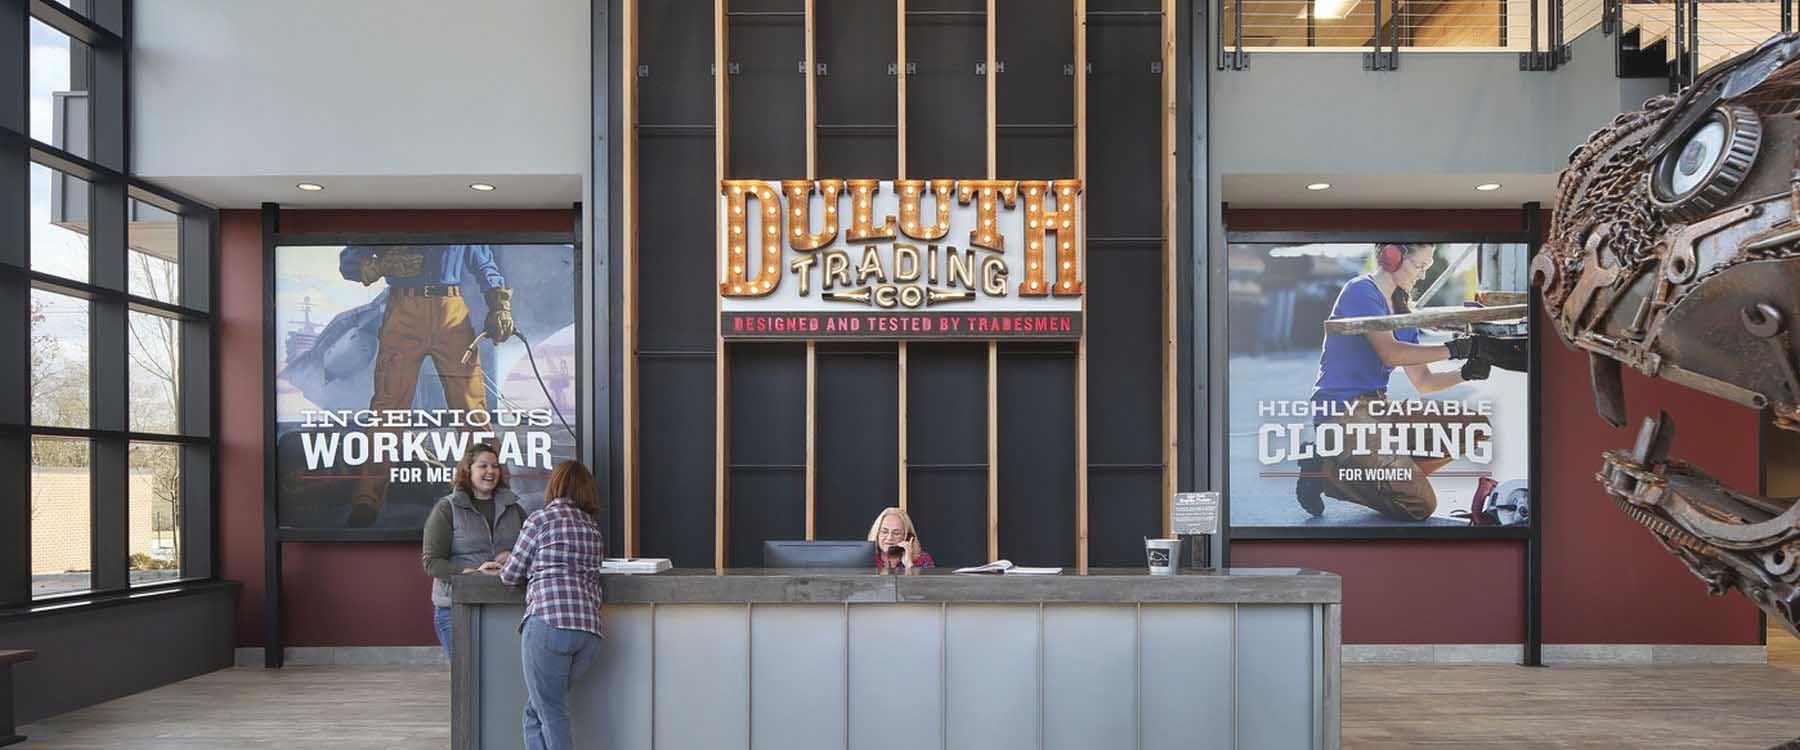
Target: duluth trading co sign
[{"x": 917, "y": 259}]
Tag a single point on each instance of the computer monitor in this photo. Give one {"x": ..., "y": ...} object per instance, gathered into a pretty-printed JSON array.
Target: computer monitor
[{"x": 818, "y": 554}]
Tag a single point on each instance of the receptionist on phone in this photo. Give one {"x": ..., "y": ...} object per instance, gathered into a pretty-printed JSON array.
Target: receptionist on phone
[{"x": 896, "y": 542}]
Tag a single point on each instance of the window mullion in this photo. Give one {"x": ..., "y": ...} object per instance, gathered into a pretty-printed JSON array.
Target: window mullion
[
  {"x": 108, "y": 503},
  {"x": 15, "y": 301}
]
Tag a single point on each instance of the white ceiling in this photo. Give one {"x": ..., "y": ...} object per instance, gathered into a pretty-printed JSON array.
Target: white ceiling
[
  {"x": 381, "y": 191},
  {"x": 1387, "y": 191}
]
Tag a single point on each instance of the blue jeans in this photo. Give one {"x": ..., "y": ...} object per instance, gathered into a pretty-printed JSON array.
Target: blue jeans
[
  {"x": 553, "y": 658},
  {"x": 440, "y": 619}
]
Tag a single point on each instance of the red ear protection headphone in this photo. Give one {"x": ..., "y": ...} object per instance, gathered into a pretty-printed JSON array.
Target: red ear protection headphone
[{"x": 1390, "y": 257}]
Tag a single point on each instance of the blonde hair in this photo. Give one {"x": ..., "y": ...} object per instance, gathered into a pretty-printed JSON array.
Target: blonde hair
[{"x": 905, "y": 521}]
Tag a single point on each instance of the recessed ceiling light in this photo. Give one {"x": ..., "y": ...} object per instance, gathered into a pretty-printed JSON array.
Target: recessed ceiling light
[
  {"x": 1319, "y": 186},
  {"x": 481, "y": 186},
  {"x": 1488, "y": 187},
  {"x": 311, "y": 187}
]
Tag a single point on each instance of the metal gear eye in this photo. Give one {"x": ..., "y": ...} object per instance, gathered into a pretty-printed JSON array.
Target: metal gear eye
[{"x": 1707, "y": 164}]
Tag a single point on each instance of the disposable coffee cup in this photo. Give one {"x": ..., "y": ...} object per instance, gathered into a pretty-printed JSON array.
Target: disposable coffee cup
[{"x": 1162, "y": 555}]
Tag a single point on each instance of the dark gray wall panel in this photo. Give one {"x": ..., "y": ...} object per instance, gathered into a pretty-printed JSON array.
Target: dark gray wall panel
[
  {"x": 949, "y": 506},
  {"x": 765, "y": 504},
  {"x": 768, "y": 414},
  {"x": 1124, "y": 319},
  {"x": 857, "y": 108},
  {"x": 676, "y": 50},
  {"x": 675, "y": 459},
  {"x": 1124, "y": 506},
  {"x": 946, "y": 111},
  {"x": 93, "y": 656},
  {"x": 1124, "y": 126},
  {"x": 767, "y": 100},
  {"x": 1035, "y": 95},
  {"x": 858, "y": 434},
  {"x": 946, "y": 403},
  {"x": 1037, "y": 455},
  {"x": 675, "y": 247}
]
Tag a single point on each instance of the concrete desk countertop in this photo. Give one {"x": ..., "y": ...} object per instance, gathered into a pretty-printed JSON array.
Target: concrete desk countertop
[{"x": 852, "y": 586}]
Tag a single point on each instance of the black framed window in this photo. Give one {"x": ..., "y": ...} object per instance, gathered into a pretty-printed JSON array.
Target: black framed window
[{"x": 105, "y": 325}]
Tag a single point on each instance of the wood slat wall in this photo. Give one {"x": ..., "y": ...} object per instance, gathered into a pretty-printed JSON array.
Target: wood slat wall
[{"x": 1034, "y": 511}]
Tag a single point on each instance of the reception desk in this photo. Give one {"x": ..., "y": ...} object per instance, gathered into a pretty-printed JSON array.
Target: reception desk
[{"x": 748, "y": 658}]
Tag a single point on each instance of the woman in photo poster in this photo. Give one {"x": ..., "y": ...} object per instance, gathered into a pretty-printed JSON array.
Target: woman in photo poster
[{"x": 1354, "y": 370}]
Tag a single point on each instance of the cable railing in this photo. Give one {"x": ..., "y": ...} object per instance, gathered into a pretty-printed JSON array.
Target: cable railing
[
  {"x": 1383, "y": 28},
  {"x": 1700, "y": 33},
  {"x": 1693, "y": 34}
]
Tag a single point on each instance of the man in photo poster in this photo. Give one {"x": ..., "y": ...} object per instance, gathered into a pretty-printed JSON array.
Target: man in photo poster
[
  {"x": 1349, "y": 397},
  {"x": 425, "y": 317}
]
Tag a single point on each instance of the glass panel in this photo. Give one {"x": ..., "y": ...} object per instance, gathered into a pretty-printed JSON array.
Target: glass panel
[
  {"x": 83, "y": 8},
  {"x": 59, "y": 89},
  {"x": 154, "y": 519},
  {"x": 61, "y": 528},
  {"x": 155, "y": 239},
  {"x": 155, "y": 348},
  {"x": 59, "y": 360},
  {"x": 59, "y": 223}
]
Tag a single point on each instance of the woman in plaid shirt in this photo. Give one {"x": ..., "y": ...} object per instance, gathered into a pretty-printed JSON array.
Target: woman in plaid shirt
[{"x": 558, "y": 557}]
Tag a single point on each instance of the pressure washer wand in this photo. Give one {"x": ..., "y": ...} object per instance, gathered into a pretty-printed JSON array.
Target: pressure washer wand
[{"x": 530, "y": 358}]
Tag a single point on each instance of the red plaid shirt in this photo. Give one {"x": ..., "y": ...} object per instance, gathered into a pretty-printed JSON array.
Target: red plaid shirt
[
  {"x": 922, "y": 561},
  {"x": 559, "y": 553}
]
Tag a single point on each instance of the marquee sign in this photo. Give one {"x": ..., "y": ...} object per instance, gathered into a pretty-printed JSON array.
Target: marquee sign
[{"x": 917, "y": 259}]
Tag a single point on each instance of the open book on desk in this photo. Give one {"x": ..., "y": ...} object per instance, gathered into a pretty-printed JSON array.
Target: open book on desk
[
  {"x": 1006, "y": 567},
  {"x": 634, "y": 564}
]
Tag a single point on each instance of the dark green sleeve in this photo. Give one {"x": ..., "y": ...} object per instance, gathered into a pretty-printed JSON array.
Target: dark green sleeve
[{"x": 436, "y": 556}]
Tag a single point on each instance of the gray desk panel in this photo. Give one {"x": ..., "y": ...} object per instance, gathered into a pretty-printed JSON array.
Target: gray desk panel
[
  {"x": 992, "y": 662},
  {"x": 1090, "y": 676},
  {"x": 702, "y": 676},
  {"x": 766, "y": 659},
  {"x": 622, "y": 677},
  {"x": 797, "y": 669},
  {"x": 594, "y": 708},
  {"x": 1184, "y": 688},
  {"x": 1276, "y": 649},
  {"x": 896, "y": 675}
]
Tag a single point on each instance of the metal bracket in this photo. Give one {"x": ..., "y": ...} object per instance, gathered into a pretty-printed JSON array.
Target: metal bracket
[
  {"x": 1385, "y": 60},
  {"x": 824, "y": 70},
  {"x": 1156, "y": 67},
  {"x": 980, "y": 68},
  {"x": 643, "y": 71},
  {"x": 911, "y": 69},
  {"x": 1539, "y": 61},
  {"x": 733, "y": 68},
  {"x": 1069, "y": 70},
  {"x": 712, "y": 69}
]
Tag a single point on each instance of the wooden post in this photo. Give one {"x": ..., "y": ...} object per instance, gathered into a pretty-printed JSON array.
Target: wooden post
[
  {"x": 722, "y": 393},
  {"x": 1081, "y": 421},
  {"x": 628, "y": 374}
]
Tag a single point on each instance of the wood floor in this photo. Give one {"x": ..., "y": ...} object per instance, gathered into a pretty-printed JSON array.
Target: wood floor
[{"x": 403, "y": 708}]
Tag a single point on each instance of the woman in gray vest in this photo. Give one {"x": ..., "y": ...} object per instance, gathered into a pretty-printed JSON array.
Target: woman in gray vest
[{"x": 471, "y": 529}]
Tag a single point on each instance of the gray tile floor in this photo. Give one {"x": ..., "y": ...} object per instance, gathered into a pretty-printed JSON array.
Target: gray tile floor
[{"x": 403, "y": 708}]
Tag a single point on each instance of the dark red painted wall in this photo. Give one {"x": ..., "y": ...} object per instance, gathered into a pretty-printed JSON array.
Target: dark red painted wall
[
  {"x": 1605, "y": 580},
  {"x": 332, "y": 594}
]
